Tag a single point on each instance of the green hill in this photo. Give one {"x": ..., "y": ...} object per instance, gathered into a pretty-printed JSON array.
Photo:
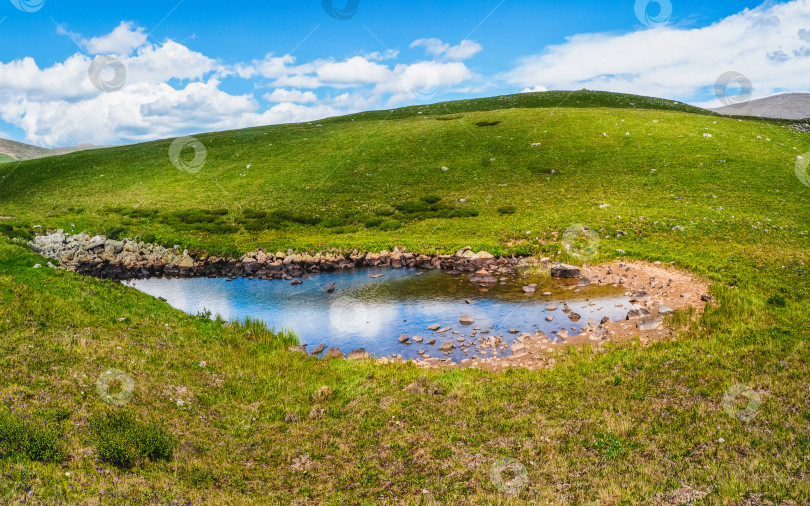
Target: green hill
[
  {"x": 345, "y": 181},
  {"x": 659, "y": 180}
]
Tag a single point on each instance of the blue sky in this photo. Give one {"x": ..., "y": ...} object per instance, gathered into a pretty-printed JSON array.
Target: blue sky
[{"x": 198, "y": 65}]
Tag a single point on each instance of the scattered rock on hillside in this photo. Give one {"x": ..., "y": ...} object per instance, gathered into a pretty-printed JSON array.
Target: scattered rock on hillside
[
  {"x": 650, "y": 324},
  {"x": 635, "y": 314},
  {"x": 298, "y": 349},
  {"x": 665, "y": 310}
]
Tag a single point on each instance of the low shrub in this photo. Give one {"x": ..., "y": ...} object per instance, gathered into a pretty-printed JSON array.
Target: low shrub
[
  {"x": 122, "y": 441},
  {"x": 389, "y": 225},
  {"x": 27, "y": 438},
  {"x": 505, "y": 210}
]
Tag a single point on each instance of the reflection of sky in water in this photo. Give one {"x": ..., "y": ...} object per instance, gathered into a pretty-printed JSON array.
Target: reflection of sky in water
[{"x": 373, "y": 313}]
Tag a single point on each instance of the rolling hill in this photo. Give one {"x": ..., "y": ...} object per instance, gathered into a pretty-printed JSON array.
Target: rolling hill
[
  {"x": 793, "y": 106},
  {"x": 16, "y": 151},
  {"x": 220, "y": 413}
]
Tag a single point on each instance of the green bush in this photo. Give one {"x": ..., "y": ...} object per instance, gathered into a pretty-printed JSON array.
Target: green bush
[
  {"x": 11, "y": 232},
  {"x": 430, "y": 199},
  {"x": 388, "y": 225},
  {"x": 507, "y": 210},
  {"x": 115, "y": 233},
  {"x": 412, "y": 206},
  {"x": 373, "y": 222},
  {"x": 26, "y": 438},
  {"x": 122, "y": 441},
  {"x": 487, "y": 123},
  {"x": 335, "y": 222},
  {"x": 777, "y": 300}
]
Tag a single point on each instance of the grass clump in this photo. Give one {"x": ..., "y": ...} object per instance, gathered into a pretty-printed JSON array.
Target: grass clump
[
  {"x": 25, "y": 438},
  {"x": 123, "y": 441}
]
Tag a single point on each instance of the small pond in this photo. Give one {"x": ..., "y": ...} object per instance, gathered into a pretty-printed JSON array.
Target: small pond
[{"x": 371, "y": 308}]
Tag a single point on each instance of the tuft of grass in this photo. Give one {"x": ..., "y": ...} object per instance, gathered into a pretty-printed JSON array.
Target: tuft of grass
[
  {"x": 123, "y": 441},
  {"x": 25, "y": 438}
]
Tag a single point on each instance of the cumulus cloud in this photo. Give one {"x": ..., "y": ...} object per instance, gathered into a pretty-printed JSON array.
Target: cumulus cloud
[
  {"x": 435, "y": 47},
  {"x": 171, "y": 90},
  {"x": 122, "y": 40},
  {"x": 768, "y": 44},
  {"x": 292, "y": 96}
]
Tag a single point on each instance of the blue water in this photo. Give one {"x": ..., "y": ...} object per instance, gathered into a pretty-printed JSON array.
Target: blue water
[{"x": 372, "y": 312}]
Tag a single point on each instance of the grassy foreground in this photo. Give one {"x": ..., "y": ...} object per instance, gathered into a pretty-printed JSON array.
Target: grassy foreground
[{"x": 219, "y": 413}]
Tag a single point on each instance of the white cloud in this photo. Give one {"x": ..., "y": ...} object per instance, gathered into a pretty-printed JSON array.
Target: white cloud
[
  {"x": 435, "y": 47},
  {"x": 120, "y": 41},
  {"x": 535, "y": 89},
  {"x": 768, "y": 45},
  {"x": 171, "y": 90},
  {"x": 292, "y": 96}
]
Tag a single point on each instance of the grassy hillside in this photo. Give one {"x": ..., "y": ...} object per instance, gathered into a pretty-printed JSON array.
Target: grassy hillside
[{"x": 623, "y": 424}]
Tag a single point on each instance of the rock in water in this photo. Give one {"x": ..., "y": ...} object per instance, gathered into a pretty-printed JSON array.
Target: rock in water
[
  {"x": 334, "y": 353},
  {"x": 584, "y": 282},
  {"x": 330, "y": 288},
  {"x": 319, "y": 349},
  {"x": 403, "y": 339},
  {"x": 447, "y": 346},
  {"x": 565, "y": 271},
  {"x": 435, "y": 326},
  {"x": 297, "y": 282},
  {"x": 359, "y": 354},
  {"x": 417, "y": 339},
  {"x": 574, "y": 317},
  {"x": 466, "y": 320},
  {"x": 483, "y": 277}
]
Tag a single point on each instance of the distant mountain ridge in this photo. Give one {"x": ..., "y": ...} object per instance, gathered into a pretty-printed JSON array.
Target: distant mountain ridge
[
  {"x": 18, "y": 151},
  {"x": 785, "y": 106}
]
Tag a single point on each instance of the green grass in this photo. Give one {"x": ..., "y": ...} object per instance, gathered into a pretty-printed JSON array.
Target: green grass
[{"x": 620, "y": 424}]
